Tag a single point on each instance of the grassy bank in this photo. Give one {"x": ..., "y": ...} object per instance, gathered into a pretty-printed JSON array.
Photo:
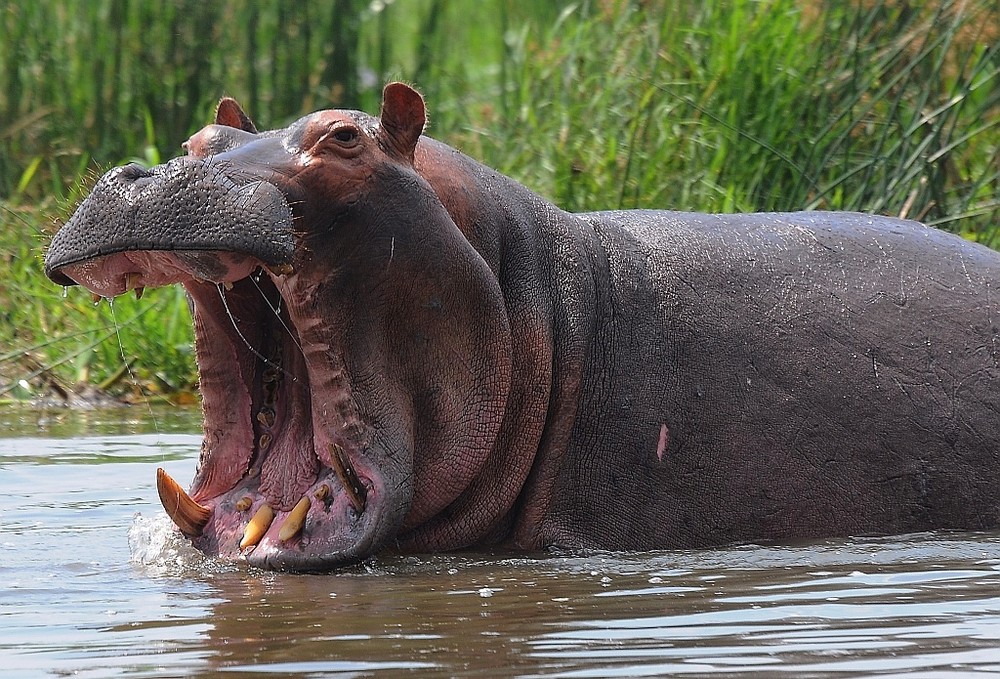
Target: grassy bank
[{"x": 717, "y": 106}]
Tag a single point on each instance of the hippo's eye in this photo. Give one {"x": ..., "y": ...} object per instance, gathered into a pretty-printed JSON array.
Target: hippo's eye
[
  {"x": 334, "y": 137},
  {"x": 346, "y": 135}
]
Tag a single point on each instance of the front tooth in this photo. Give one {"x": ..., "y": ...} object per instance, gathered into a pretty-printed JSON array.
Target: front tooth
[
  {"x": 189, "y": 516},
  {"x": 295, "y": 520},
  {"x": 258, "y": 525},
  {"x": 138, "y": 292},
  {"x": 281, "y": 269}
]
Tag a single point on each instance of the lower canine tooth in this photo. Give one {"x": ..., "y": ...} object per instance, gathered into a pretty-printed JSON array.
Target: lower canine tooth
[
  {"x": 258, "y": 525},
  {"x": 189, "y": 516},
  {"x": 357, "y": 494},
  {"x": 295, "y": 520}
]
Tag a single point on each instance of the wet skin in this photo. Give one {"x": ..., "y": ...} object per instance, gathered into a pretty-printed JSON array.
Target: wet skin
[{"x": 401, "y": 349}]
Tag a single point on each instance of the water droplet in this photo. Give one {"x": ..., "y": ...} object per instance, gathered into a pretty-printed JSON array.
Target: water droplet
[{"x": 65, "y": 291}]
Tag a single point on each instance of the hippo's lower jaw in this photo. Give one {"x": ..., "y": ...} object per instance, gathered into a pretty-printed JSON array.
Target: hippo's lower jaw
[{"x": 284, "y": 479}]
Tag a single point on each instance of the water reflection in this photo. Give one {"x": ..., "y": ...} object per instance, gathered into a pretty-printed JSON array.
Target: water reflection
[
  {"x": 626, "y": 615},
  {"x": 96, "y": 582}
]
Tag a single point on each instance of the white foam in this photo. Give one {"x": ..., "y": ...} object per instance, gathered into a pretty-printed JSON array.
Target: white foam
[{"x": 156, "y": 545}]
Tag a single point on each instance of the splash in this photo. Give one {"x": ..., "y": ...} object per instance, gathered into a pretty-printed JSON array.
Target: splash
[{"x": 156, "y": 546}]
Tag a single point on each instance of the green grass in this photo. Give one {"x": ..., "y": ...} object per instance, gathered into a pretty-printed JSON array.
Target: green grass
[
  {"x": 54, "y": 340},
  {"x": 749, "y": 107},
  {"x": 743, "y": 105}
]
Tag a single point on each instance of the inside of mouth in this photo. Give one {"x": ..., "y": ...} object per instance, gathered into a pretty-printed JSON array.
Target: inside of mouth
[
  {"x": 274, "y": 484},
  {"x": 256, "y": 395},
  {"x": 270, "y": 494}
]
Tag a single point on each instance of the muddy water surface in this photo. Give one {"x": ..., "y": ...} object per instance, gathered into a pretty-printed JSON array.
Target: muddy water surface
[{"x": 94, "y": 583}]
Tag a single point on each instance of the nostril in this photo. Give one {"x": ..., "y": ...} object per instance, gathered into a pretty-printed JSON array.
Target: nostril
[{"x": 132, "y": 172}]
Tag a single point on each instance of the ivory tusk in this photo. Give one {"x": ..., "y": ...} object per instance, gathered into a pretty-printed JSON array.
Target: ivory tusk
[{"x": 187, "y": 514}]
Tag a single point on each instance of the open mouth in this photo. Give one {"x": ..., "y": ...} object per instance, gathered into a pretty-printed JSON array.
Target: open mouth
[{"x": 284, "y": 480}]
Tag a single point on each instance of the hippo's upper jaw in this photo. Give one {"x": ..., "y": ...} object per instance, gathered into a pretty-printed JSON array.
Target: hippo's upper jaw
[
  {"x": 306, "y": 375},
  {"x": 186, "y": 207}
]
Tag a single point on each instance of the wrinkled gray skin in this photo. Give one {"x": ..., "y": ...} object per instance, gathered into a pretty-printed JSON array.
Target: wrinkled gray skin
[{"x": 648, "y": 379}]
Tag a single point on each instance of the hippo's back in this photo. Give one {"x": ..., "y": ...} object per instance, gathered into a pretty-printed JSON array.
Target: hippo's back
[{"x": 787, "y": 375}]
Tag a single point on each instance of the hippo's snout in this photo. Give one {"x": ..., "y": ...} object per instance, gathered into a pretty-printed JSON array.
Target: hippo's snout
[{"x": 186, "y": 204}]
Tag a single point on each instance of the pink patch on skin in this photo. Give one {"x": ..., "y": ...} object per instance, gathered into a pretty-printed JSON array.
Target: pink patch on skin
[{"x": 661, "y": 447}]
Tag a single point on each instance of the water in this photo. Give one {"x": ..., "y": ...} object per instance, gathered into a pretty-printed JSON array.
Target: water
[{"x": 95, "y": 583}]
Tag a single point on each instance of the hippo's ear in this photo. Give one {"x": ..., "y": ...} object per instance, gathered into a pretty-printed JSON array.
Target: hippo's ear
[
  {"x": 231, "y": 114},
  {"x": 403, "y": 119}
]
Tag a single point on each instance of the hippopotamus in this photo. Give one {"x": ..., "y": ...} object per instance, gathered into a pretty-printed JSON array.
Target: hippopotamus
[{"x": 401, "y": 350}]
